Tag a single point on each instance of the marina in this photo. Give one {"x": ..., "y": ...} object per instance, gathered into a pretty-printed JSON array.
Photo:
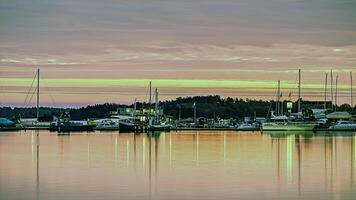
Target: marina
[
  {"x": 177, "y": 100},
  {"x": 287, "y": 115}
]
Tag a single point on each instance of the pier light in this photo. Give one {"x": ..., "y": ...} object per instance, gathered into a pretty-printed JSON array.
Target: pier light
[
  {"x": 142, "y": 118},
  {"x": 289, "y": 105}
]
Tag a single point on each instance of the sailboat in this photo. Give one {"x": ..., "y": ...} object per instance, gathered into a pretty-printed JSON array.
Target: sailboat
[
  {"x": 287, "y": 123},
  {"x": 345, "y": 122},
  {"x": 284, "y": 123},
  {"x": 30, "y": 123},
  {"x": 157, "y": 126}
]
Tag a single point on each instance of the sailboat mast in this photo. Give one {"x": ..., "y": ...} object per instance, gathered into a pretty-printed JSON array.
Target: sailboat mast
[
  {"x": 156, "y": 105},
  {"x": 299, "y": 97},
  {"x": 351, "y": 91},
  {"x": 150, "y": 98},
  {"x": 134, "y": 110},
  {"x": 278, "y": 97},
  {"x": 336, "y": 90},
  {"x": 326, "y": 89},
  {"x": 180, "y": 112},
  {"x": 332, "y": 90},
  {"x": 38, "y": 94},
  {"x": 195, "y": 112}
]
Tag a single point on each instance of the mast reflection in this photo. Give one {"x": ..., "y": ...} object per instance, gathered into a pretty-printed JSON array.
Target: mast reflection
[
  {"x": 289, "y": 155},
  {"x": 38, "y": 165},
  {"x": 116, "y": 149},
  {"x": 196, "y": 138},
  {"x": 297, "y": 141}
]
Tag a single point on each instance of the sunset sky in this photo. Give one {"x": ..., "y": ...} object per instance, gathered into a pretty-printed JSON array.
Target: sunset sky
[{"x": 96, "y": 51}]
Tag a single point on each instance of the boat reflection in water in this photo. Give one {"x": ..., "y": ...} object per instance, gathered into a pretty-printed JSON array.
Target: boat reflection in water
[{"x": 177, "y": 165}]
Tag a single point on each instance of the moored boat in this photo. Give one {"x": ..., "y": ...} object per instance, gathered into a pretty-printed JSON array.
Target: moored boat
[
  {"x": 105, "y": 124},
  {"x": 8, "y": 125},
  {"x": 343, "y": 126},
  {"x": 65, "y": 124},
  {"x": 288, "y": 126},
  {"x": 159, "y": 127},
  {"x": 126, "y": 126},
  {"x": 248, "y": 127}
]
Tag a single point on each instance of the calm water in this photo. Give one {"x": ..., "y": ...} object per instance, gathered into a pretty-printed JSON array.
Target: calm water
[{"x": 176, "y": 165}]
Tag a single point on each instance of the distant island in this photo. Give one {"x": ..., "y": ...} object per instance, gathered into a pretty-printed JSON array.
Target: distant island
[{"x": 212, "y": 106}]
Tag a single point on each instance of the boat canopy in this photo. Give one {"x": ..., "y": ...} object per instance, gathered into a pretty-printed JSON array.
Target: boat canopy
[
  {"x": 6, "y": 122},
  {"x": 282, "y": 117},
  {"x": 339, "y": 115}
]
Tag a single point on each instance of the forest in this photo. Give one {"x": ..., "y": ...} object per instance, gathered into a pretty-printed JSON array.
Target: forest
[{"x": 212, "y": 106}]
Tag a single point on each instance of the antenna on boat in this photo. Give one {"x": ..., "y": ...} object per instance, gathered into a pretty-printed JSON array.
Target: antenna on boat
[
  {"x": 38, "y": 94},
  {"x": 299, "y": 84},
  {"x": 326, "y": 89}
]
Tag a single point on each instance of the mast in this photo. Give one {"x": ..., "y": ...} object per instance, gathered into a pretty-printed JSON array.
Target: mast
[
  {"x": 326, "y": 89},
  {"x": 180, "y": 112},
  {"x": 332, "y": 90},
  {"x": 134, "y": 110},
  {"x": 156, "y": 105},
  {"x": 38, "y": 94},
  {"x": 195, "y": 112},
  {"x": 150, "y": 98},
  {"x": 150, "y": 102},
  {"x": 351, "y": 91},
  {"x": 336, "y": 84},
  {"x": 299, "y": 84},
  {"x": 278, "y": 98}
]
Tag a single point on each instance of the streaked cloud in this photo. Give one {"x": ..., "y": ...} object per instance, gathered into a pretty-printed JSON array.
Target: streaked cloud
[
  {"x": 232, "y": 40},
  {"x": 34, "y": 61}
]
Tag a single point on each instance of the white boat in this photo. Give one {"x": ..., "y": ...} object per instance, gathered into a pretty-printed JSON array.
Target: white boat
[
  {"x": 288, "y": 126},
  {"x": 284, "y": 123},
  {"x": 344, "y": 126},
  {"x": 248, "y": 127},
  {"x": 106, "y": 124},
  {"x": 291, "y": 122}
]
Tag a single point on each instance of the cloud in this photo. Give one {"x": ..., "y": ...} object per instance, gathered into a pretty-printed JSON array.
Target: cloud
[
  {"x": 338, "y": 50},
  {"x": 34, "y": 61},
  {"x": 10, "y": 61}
]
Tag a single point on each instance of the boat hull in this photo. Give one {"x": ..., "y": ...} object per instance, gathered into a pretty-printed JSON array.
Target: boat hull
[
  {"x": 159, "y": 128},
  {"x": 126, "y": 127},
  {"x": 343, "y": 128},
  {"x": 9, "y": 129},
  {"x": 287, "y": 127},
  {"x": 72, "y": 128}
]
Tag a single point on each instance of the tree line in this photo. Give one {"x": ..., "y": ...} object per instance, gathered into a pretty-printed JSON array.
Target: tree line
[{"x": 212, "y": 106}]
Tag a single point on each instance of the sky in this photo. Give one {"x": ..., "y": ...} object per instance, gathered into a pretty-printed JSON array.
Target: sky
[{"x": 92, "y": 51}]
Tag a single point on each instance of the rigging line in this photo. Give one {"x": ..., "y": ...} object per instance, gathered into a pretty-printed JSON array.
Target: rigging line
[
  {"x": 52, "y": 99},
  {"x": 32, "y": 96},
  {"x": 147, "y": 91},
  {"x": 271, "y": 103},
  {"x": 296, "y": 81},
  {"x": 47, "y": 89},
  {"x": 29, "y": 90},
  {"x": 24, "y": 112},
  {"x": 27, "y": 100}
]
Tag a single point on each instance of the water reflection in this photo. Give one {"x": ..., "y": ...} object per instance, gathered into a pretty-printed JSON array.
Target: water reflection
[
  {"x": 178, "y": 165},
  {"x": 293, "y": 144},
  {"x": 37, "y": 165}
]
